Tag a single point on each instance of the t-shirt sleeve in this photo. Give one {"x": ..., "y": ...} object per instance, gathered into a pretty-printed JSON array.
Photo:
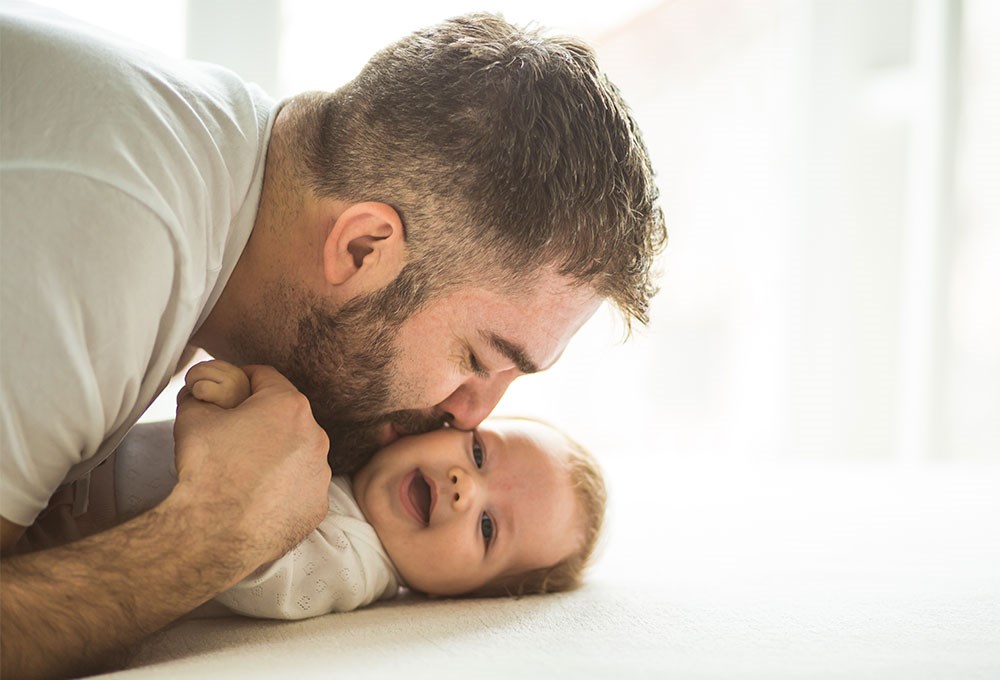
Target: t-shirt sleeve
[
  {"x": 85, "y": 281},
  {"x": 325, "y": 573}
]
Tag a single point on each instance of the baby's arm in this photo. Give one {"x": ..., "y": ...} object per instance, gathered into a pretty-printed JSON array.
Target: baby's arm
[
  {"x": 339, "y": 567},
  {"x": 219, "y": 383}
]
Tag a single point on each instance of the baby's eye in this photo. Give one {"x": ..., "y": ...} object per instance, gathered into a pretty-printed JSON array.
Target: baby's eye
[
  {"x": 486, "y": 524},
  {"x": 477, "y": 453}
]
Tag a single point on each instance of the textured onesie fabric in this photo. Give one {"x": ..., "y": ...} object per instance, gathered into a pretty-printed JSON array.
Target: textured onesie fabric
[{"x": 339, "y": 567}]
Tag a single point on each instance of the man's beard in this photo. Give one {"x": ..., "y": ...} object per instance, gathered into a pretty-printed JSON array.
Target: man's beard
[{"x": 343, "y": 361}]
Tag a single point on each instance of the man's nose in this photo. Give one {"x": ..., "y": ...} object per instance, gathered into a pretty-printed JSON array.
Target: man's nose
[
  {"x": 469, "y": 405},
  {"x": 462, "y": 488}
]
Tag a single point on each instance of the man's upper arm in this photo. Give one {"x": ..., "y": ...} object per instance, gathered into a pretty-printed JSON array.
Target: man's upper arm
[{"x": 85, "y": 284}]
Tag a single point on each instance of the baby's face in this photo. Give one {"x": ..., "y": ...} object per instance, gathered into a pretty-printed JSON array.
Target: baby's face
[{"x": 458, "y": 510}]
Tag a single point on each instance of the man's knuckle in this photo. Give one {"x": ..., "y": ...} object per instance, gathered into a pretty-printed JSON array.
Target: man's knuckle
[
  {"x": 322, "y": 440},
  {"x": 298, "y": 403}
]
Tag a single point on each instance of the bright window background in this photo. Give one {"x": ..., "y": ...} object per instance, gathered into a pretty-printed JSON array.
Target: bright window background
[{"x": 828, "y": 171}]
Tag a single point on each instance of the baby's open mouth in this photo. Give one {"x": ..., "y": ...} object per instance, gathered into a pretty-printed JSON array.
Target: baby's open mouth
[{"x": 420, "y": 496}]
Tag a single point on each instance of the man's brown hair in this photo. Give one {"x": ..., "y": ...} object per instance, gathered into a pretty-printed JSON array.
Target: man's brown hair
[{"x": 504, "y": 151}]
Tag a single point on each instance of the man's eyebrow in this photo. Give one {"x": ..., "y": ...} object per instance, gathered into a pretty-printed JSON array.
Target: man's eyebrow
[{"x": 514, "y": 352}]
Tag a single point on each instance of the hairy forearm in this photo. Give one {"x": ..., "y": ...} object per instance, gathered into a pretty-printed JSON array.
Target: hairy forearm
[
  {"x": 252, "y": 484},
  {"x": 68, "y": 609}
]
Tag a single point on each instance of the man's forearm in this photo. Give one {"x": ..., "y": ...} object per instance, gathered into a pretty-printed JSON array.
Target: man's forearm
[
  {"x": 252, "y": 483},
  {"x": 66, "y": 610}
]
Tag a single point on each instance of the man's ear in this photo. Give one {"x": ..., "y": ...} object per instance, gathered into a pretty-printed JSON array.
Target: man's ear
[{"x": 365, "y": 248}]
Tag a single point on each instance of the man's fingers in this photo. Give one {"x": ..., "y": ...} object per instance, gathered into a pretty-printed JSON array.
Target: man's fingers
[{"x": 269, "y": 450}]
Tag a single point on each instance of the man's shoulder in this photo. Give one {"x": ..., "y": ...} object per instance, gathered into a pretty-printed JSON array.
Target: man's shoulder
[{"x": 182, "y": 137}]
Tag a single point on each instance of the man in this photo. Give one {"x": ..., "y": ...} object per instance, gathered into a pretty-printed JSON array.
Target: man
[{"x": 397, "y": 251}]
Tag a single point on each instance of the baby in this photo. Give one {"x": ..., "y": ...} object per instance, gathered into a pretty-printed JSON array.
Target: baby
[{"x": 512, "y": 508}]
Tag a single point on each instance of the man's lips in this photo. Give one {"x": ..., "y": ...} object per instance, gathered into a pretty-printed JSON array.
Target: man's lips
[{"x": 418, "y": 495}]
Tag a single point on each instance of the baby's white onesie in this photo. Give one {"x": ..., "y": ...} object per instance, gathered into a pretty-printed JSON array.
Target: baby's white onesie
[{"x": 339, "y": 567}]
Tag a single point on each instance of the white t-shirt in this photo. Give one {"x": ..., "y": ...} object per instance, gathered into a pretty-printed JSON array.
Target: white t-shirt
[{"x": 129, "y": 185}]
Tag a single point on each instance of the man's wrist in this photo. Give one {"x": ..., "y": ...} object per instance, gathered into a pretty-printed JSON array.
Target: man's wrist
[{"x": 222, "y": 536}]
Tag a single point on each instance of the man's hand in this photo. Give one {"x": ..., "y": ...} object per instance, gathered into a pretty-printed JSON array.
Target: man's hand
[
  {"x": 253, "y": 483},
  {"x": 259, "y": 468}
]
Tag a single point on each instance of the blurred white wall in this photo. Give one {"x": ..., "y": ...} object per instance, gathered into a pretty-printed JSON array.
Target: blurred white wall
[{"x": 828, "y": 170}]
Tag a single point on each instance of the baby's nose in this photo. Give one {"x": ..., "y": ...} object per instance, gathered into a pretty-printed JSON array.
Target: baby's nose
[{"x": 462, "y": 488}]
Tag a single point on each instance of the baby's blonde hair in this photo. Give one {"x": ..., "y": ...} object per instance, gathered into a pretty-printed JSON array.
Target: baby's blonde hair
[{"x": 591, "y": 496}]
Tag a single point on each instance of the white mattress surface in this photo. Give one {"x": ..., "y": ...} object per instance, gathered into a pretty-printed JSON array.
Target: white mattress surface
[{"x": 824, "y": 570}]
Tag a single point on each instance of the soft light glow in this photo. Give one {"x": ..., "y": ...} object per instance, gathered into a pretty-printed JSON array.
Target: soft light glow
[{"x": 790, "y": 140}]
